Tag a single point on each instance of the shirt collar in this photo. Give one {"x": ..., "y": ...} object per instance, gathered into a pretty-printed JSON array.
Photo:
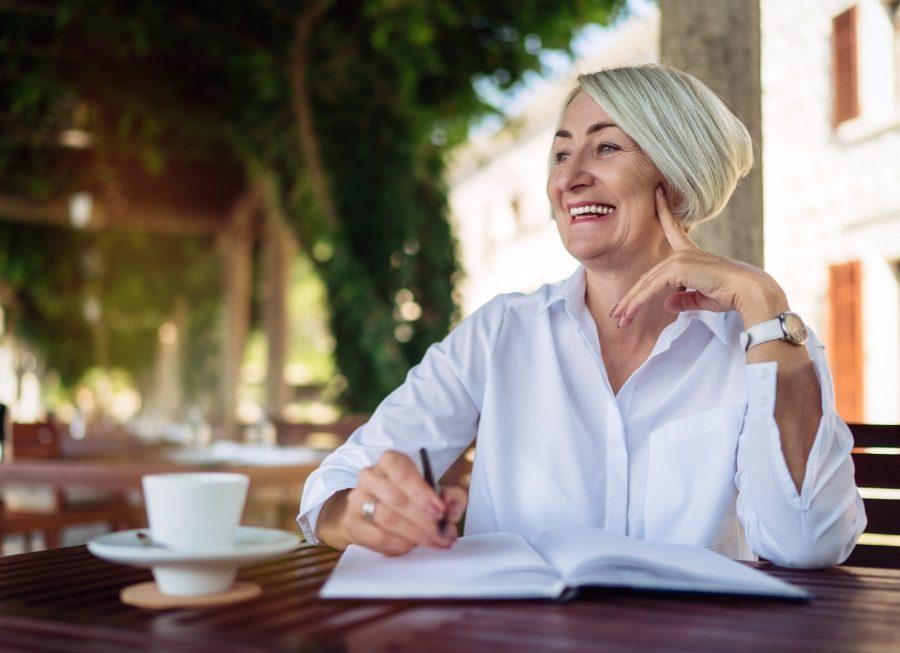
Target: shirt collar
[
  {"x": 713, "y": 320},
  {"x": 571, "y": 292}
]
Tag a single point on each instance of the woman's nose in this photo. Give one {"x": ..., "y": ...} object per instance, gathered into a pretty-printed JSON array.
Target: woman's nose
[{"x": 573, "y": 175}]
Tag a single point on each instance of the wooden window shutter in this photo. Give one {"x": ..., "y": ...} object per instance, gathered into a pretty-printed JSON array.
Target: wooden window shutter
[
  {"x": 845, "y": 349},
  {"x": 845, "y": 70}
]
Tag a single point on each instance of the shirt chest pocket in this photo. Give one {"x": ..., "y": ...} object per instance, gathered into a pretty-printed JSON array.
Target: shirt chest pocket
[{"x": 691, "y": 495}]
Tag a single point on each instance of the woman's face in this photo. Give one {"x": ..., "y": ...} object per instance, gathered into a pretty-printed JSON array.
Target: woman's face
[{"x": 595, "y": 163}]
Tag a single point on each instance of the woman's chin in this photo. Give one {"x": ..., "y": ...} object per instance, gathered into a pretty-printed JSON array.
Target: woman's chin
[{"x": 585, "y": 251}]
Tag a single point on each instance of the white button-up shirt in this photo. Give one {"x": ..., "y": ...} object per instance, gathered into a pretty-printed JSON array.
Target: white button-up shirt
[{"x": 688, "y": 451}]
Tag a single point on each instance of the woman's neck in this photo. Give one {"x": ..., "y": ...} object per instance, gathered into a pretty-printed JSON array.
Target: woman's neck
[{"x": 607, "y": 282}]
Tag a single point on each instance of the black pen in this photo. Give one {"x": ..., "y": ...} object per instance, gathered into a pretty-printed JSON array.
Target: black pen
[{"x": 429, "y": 478}]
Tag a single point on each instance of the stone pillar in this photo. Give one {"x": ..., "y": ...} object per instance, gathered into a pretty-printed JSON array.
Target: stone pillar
[
  {"x": 718, "y": 41},
  {"x": 278, "y": 252},
  {"x": 236, "y": 251}
]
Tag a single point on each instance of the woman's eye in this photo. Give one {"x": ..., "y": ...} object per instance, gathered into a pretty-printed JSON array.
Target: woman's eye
[
  {"x": 560, "y": 156},
  {"x": 607, "y": 148}
]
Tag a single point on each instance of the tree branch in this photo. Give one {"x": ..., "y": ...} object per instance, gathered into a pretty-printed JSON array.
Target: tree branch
[{"x": 300, "y": 98}]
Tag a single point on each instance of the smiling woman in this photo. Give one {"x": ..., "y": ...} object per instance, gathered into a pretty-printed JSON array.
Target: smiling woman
[{"x": 656, "y": 393}]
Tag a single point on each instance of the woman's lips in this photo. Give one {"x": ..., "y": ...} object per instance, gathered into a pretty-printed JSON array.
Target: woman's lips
[{"x": 592, "y": 217}]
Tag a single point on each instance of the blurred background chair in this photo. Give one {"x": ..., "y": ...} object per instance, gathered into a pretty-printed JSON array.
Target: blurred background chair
[
  {"x": 876, "y": 455},
  {"x": 45, "y": 510},
  {"x": 329, "y": 435}
]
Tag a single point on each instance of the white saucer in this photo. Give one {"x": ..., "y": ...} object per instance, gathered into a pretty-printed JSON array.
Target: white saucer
[
  {"x": 183, "y": 573},
  {"x": 252, "y": 544}
]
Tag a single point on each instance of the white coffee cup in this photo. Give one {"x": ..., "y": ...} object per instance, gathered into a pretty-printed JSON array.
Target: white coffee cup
[{"x": 194, "y": 513}]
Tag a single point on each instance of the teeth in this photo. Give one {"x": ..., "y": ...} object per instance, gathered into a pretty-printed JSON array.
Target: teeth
[{"x": 601, "y": 209}]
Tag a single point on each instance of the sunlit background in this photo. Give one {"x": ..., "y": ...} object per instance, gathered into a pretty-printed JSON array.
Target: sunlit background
[{"x": 208, "y": 236}]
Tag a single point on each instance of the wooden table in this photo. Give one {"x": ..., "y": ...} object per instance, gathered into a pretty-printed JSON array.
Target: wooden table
[{"x": 67, "y": 600}]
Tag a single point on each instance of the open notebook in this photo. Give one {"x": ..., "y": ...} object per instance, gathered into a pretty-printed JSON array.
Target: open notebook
[{"x": 505, "y": 565}]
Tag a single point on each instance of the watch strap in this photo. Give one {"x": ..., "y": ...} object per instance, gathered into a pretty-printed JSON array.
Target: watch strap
[{"x": 763, "y": 332}]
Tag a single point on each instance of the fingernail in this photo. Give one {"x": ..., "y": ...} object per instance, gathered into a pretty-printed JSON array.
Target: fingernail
[{"x": 613, "y": 309}]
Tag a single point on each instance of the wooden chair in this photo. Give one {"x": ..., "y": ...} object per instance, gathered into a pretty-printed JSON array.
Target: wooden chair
[
  {"x": 44, "y": 440},
  {"x": 876, "y": 455}
]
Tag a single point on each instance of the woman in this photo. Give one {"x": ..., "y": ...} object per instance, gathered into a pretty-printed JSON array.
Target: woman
[{"x": 655, "y": 393}]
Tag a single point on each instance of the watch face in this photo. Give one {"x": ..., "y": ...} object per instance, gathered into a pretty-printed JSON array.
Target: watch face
[{"x": 794, "y": 328}]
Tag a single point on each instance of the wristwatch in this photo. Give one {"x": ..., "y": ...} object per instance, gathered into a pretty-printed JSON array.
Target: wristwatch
[{"x": 787, "y": 326}]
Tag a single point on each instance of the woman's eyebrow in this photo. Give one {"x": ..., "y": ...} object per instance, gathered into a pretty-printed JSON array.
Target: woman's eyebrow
[{"x": 593, "y": 129}]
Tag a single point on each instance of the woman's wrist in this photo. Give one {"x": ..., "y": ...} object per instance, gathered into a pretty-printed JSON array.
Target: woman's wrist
[
  {"x": 329, "y": 525},
  {"x": 761, "y": 300}
]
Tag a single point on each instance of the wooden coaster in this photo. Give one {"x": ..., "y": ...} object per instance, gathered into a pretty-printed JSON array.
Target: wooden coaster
[{"x": 147, "y": 595}]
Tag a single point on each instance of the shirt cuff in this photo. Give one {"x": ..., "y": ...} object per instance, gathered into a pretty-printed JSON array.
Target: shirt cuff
[
  {"x": 308, "y": 522},
  {"x": 762, "y": 381},
  {"x": 322, "y": 491}
]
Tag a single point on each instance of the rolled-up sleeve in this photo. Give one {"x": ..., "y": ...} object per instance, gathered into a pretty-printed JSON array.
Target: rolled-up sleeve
[
  {"x": 437, "y": 407},
  {"x": 818, "y": 526}
]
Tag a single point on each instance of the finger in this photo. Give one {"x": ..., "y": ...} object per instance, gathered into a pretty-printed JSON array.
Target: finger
[
  {"x": 675, "y": 232},
  {"x": 395, "y": 523},
  {"x": 666, "y": 276},
  {"x": 370, "y": 536},
  {"x": 456, "y": 499},
  {"x": 643, "y": 288},
  {"x": 391, "y": 498},
  {"x": 378, "y": 482},
  {"x": 451, "y": 531},
  {"x": 622, "y": 304},
  {"x": 403, "y": 473},
  {"x": 692, "y": 301}
]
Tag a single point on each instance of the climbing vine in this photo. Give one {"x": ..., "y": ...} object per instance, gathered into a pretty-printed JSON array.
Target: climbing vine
[{"x": 349, "y": 107}]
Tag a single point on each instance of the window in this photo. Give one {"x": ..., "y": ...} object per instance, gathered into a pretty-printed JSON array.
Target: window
[
  {"x": 845, "y": 66},
  {"x": 845, "y": 346}
]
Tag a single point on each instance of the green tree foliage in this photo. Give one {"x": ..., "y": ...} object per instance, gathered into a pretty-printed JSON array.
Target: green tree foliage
[{"x": 346, "y": 107}]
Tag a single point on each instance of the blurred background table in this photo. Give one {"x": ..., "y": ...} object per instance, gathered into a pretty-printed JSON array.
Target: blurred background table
[
  {"x": 56, "y": 484},
  {"x": 272, "y": 501},
  {"x": 66, "y": 599}
]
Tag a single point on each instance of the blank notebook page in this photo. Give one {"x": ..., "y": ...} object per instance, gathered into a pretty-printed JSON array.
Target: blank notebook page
[{"x": 493, "y": 564}]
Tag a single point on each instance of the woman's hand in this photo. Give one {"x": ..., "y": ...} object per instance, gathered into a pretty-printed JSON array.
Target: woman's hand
[
  {"x": 720, "y": 284},
  {"x": 407, "y": 509}
]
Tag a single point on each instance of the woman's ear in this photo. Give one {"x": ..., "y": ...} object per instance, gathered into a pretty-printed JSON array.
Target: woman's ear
[{"x": 673, "y": 195}]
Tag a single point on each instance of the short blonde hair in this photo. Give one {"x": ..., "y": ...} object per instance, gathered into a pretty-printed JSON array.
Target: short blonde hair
[{"x": 699, "y": 146}]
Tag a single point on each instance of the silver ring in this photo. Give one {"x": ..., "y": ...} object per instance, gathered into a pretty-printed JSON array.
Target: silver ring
[{"x": 368, "y": 510}]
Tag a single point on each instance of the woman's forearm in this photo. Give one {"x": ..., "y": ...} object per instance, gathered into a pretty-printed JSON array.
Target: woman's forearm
[
  {"x": 798, "y": 402},
  {"x": 798, "y": 399}
]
